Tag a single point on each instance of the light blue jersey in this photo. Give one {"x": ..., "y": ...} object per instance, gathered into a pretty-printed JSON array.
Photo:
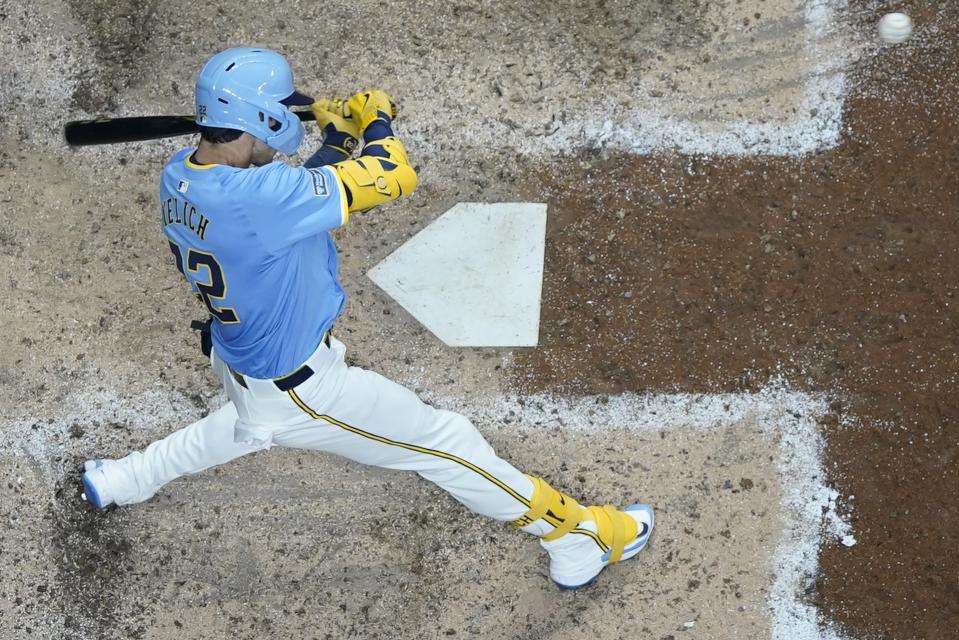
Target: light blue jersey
[{"x": 253, "y": 243}]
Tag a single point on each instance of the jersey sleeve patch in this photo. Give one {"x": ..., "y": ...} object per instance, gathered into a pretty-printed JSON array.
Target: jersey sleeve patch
[{"x": 320, "y": 188}]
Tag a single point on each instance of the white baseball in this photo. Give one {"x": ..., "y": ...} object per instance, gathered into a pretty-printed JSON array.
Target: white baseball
[{"x": 895, "y": 28}]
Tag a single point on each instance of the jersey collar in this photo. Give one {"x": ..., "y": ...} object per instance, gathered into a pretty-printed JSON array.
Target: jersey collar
[{"x": 196, "y": 165}]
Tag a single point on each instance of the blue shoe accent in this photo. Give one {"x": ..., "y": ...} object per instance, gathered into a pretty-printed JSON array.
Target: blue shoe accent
[
  {"x": 92, "y": 496},
  {"x": 572, "y": 587}
]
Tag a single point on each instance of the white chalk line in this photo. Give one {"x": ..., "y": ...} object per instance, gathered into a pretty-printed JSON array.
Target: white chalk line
[
  {"x": 818, "y": 124},
  {"x": 808, "y": 504}
]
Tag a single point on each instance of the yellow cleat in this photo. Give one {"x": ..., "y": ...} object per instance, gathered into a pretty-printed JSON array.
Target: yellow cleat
[
  {"x": 576, "y": 558},
  {"x": 580, "y": 541}
]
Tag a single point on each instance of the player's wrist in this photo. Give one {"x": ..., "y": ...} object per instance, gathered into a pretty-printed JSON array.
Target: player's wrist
[
  {"x": 341, "y": 140},
  {"x": 378, "y": 130}
]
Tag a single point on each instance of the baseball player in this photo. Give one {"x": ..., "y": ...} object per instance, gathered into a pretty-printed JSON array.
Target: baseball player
[{"x": 251, "y": 236}]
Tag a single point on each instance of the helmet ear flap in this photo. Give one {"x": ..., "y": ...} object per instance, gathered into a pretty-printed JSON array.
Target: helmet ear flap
[
  {"x": 289, "y": 132},
  {"x": 271, "y": 123}
]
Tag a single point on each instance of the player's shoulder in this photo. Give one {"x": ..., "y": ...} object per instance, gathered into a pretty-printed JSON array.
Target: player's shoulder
[
  {"x": 179, "y": 157},
  {"x": 275, "y": 172},
  {"x": 278, "y": 178},
  {"x": 174, "y": 171}
]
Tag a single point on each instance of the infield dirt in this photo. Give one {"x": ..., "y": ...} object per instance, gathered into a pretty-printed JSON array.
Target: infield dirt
[{"x": 834, "y": 271}]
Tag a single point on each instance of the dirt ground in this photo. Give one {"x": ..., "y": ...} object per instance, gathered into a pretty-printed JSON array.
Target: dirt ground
[
  {"x": 697, "y": 272},
  {"x": 838, "y": 271}
]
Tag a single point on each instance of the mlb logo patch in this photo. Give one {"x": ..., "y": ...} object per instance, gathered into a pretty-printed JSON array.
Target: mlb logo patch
[
  {"x": 183, "y": 186},
  {"x": 319, "y": 182}
]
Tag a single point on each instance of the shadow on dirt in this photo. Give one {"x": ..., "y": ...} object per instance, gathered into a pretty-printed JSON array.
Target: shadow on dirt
[
  {"x": 121, "y": 33},
  {"x": 93, "y": 566}
]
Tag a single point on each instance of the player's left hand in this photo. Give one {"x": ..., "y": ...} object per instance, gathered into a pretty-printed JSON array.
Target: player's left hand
[{"x": 367, "y": 106}]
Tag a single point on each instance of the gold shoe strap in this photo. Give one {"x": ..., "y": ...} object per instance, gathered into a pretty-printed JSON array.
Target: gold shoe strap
[
  {"x": 555, "y": 507},
  {"x": 539, "y": 503},
  {"x": 572, "y": 517},
  {"x": 613, "y": 527}
]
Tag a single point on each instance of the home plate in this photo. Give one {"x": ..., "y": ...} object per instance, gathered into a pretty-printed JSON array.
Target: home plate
[{"x": 474, "y": 276}]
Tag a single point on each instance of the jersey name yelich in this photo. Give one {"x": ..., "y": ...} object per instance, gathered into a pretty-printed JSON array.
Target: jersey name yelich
[{"x": 176, "y": 211}]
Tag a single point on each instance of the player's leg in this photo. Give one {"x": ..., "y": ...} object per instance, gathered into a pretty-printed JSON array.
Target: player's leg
[
  {"x": 377, "y": 422},
  {"x": 138, "y": 476},
  {"x": 365, "y": 417}
]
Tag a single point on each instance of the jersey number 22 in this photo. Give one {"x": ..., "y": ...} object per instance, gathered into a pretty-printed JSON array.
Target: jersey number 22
[{"x": 204, "y": 271}]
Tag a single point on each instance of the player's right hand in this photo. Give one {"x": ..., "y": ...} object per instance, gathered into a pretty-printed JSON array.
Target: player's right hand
[
  {"x": 334, "y": 111},
  {"x": 339, "y": 130},
  {"x": 367, "y": 106}
]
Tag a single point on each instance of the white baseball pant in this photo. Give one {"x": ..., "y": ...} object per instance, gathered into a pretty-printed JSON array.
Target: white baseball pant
[{"x": 349, "y": 411}]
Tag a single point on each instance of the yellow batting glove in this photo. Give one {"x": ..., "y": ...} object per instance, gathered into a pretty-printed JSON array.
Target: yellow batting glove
[
  {"x": 367, "y": 106},
  {"x": 333, "y": 111},
  {"x": 339, "y": 130}
]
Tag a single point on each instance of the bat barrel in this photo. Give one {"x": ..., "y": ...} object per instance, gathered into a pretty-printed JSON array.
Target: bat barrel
[{"x": 114, "y": 130}]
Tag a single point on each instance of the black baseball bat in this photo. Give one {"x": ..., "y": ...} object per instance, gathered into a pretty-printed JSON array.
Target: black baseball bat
[{"x": 113, "y": 130}]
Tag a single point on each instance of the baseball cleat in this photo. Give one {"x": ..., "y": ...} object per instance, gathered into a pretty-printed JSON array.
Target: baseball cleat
[
  {"x": 578, "y": 557},
  {"x": 95, "y": 489}
]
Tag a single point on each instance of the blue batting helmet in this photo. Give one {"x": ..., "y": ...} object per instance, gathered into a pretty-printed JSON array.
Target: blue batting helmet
[{"x": 243, "y": 88}]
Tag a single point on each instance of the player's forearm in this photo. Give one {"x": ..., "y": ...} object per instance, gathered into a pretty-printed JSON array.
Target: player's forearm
[
  {"x": 377, "y": 130},
  {"x": 380, "y": 174},
  {"x": 326, "y": 155},
  {"x": 337, "y": 145}
]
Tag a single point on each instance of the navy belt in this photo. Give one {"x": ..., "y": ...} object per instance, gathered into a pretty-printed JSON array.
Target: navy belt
[
  {"x": 295, "y": 379},
  {"x": 287, "y": 382}
]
